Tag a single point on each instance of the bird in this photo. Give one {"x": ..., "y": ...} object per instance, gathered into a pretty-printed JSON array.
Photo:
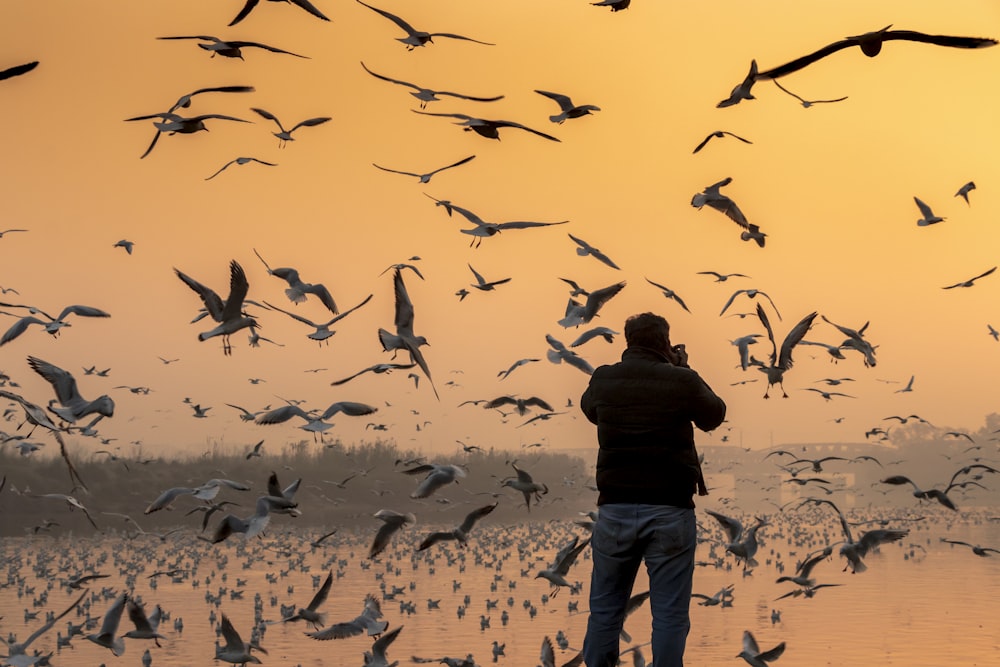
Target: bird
[
  {"x": 207, "y": 492},
  {"x": 315, "y": 422},
  {"x": 229, "y": 313},
  {"x": 556, "y": 572},
  {"x": 53, "y": 325},
  {"x": 426, "y": 95},
  {"x": 322, "y": 329},
  {"x": 405, "y": 338},
  {"x": 109, "y": 627},
  {"x": 71, "y": 501},
  {"x": 367, "y": 621},
  {"x": 524, "y": 483},
  {"x": 485, "y": 127},
  {"x": 597, "y": 332},
  {"x": 377, "y": 656},
  {"x": 377, "y": 368},
  {"x": 855, "y": 551},
  {"x": 742, "y": 90},
  {"x": 718, "y": 134},
  {"x": 438, "y": 476},
  {"x": 17, "y": 651},
  {"x": 750, "y": 293},
  {"x": 976, "y": 549},
  {"x": 415, "y": 38},
  {"x": 461, "y": 532},
  {"x": 309, "y": 613},
  {"x": 752, "y": 654},
  {"x": 722, "y": 277},
  {"x": 126, "y": 244},
  {"x": 856, "y": 341},
  {"x": 253, "y": 525},
  {"x": 485, "y": 229},
  {"x": 284, "y": 136},
  {"x": 743, "y": 344},
  {"x": 73, "y": 405},
  {"x": 615, "y": 5},
  {"x": 298, "y": 289},
  {"x": 585, "y": 249},
  {"x": 484, "y": 285},
  {"x": 302, "y": 4},
  {"x": 670, "y": 294},
  {"x": 145, "y": 627},
  {"x": 522, "y": 405},
  {"x": 17, "y": 70},
  {"x": 256, "y": 451},
  {"x": 392, "y": 522},
  {"x": 230, "y": 48},
  {"x": 577, "y": 313},
  {"x": 235, "y": 650},
  {"x": 929, "y": 494},
  {"x": 566, "y": 107},
  {"x": 806, "y": 103},
  {"x": 928, "y": 215},
  {"x": 908, "y": 388},
  {"x": 713, "y": 197},
  {"x": 828, "y": 395},
  {"x": 964, "y": 191},
  {"x": 424, "y": 178},
  {"x": 742, "y": 541},
  {"x": 781, "y": 362},
  {"x": 870, "y": 44},
  {"x": 971, "y": 281},
  {"x": 241, "y": 161},
  {"x": 172, "y": 123},
  {"x": 517, "y": 364}
]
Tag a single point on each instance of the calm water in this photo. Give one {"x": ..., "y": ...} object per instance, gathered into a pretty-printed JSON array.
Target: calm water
[{"x": 921, "y": 602}]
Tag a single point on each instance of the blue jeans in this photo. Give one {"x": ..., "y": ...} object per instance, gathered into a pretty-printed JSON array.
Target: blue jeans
[{"x": 624, "y": 535}]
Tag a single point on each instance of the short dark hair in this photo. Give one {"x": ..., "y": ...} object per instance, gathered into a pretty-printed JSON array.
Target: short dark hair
[{"x": 647, "y": 330}]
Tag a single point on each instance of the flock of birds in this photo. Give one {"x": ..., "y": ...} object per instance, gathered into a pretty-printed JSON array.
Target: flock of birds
[{"x": 234, "y": 311}]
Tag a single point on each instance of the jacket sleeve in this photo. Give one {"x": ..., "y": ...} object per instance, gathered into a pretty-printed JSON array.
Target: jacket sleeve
[{"x": 709, "y": 410}]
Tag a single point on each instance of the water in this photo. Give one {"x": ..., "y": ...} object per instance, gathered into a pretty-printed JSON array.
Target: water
[{"x": 921, "y": 602}]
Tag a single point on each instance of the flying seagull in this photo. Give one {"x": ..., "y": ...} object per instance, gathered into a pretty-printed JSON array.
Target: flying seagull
[
  {"x": 303, "y": 4},
  {"x": 566, "y": 107},
  {"x": 426, "y": 95},
  {"x": 229, "y": 313},
  {"x": 971, "y": 281},
  {"x": 230, "y": 48},
  {"x": 484, "y": 127},
  {"x": 284, "y": 136},
  {"x": 425, "y": 177},
  {"x": 718, "y": 134},
  {"x": 415, "y": 38}
]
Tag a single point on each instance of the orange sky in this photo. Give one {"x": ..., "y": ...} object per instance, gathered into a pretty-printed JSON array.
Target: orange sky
[{"x": 831, "y": 185}]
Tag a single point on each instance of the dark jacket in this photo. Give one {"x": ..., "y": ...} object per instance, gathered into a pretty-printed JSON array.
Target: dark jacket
[{"x": 644, "y": 407}]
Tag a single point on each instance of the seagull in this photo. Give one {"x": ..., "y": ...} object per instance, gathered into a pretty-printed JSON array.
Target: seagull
[
  {"x": 526, "y": 485},
  {"x": 576, "y": 289},
  {"x": 993, "y": 332},
  {"x": 929, "y": 494},
  {"x": 17, "y": 70},
  {"x": 670, "y": 294},
  {"x": 718, "y": 134},
  {"x": 426, "y": 95},
  {"x": 742, "y": 90},
  {"x": 255, "y": 451},
  {"x": 482, "y": 284},
  {"x": 522, "y": 405},
  {"x": 828, "y": 395},
  {"x": 392, "y": 523},
  {"x": 517, "y": 364},
  {"x": 964, "y": 191},
  {"x": 309, "y": 613},
  {"x": 303, "y": 4},
  {"x": 928, "y": 215},
  {"x": 145, "y": 626},
  {"x": 403, "y": 265},
  {"x": 377, "y": 368},
  {"x": 405, "y": 338},
  {"x": 230, "y": 48},
  {"x": 806, "y": 103},
  {"x": 585, "y": 249},
  {"x": 485, "y": 229},
  {"x": 856, "y": 341},
  {"x": 743, "y": 344},
  {"x": 597, "y": 332},
  {"x": 315, "y": 423},
  {"x": 241, "y": 161},
  {"x": 172, "y": 123},
  {"x": 323, "y": 331},
  {"x": 207, "y": 492},
  {"x": 577, "y": 314},
  {"x": 781, "y": 362},
  {"x": 126, "y": 244},
  {"x": 976, "y": 549},
  {"x": 870, "y": 44},
  {"x": 566, "y": 107},
  {"x": 971, "y": 281},
  {"x": 722, "y": 277},
  {"x": 367, "y": 621},
  {"x": 752, "y": 654},
  {"x": 284, "y": 136},
  {"x": 74, "y": 406},
  {"x": 229, "y": 313},
  {"x": 907, "y": 388},
  {"x": 253, "y": 525},
  {"x": 752, "y": 294},
  {"x": 235, "y": 650},
  {"x": 742, "y": 542},
  {"x": 720, "y": 202},
  {"x": 870, "y": 540},
  {"x": 297, "y": 289},
  {"x": 615, "y": 5},
  {"x": 459, "y": 533},
  {"x": 415, "y": 38},
  {"x": 484, "y": 127},
  {"x": 438, "y": 475},
  {"x": 71, "y": 501},
  {"x": 16, "y": 651},
  {"x": 54, "y": 324},
  {"x": 425, "y": 177},
  {"x": 556, "y": 572},
  {"x": 109, "y": 628}
]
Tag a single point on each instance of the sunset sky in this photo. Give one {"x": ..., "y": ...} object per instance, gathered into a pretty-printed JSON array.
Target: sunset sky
[{"x": 832, "y": 186}]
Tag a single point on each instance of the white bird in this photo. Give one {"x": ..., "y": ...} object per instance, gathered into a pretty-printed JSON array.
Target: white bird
[
  {"x": 415, "y": 38},
  {"x": 302, "y": 4},
  {"x": 484, "y": 285},
  {"x": 53, "y": 325},
  {"x": 566, "y": 107},
  {"x": 752, "y": 654},
  {"x": 780, "y": 362},
  {"x": 173, "y": 123},
  {"x": 17, "y": 651},
  {"x": 392, "y": 523},
  {"x": 405, "y": 338},
  {"x": 907, "y": 388},
  {"x": 426, "y": 95},
  {"x": 366, "y": 621},
  {"x": 109, "y": 628},
  {"x": 670, "y": 294},
  {"x": 377, "y": 368},
  {"x": 964, "y": 191},
  {"x": 309, "y": 613},
  {"x": 459, "y": 533},
  {"x": 229, "y": 313},
  {"x": 69, "y": 500},
  {"x": 742, "y": 542},
  {"x": 240, "y": 161},
  {"x": 597, "y": 332},
  {"x": 522, "y": 405},
  {"x": 560, "y": 353},
  {"x": 184, "y": 102},
  {"x": 517, "y": 364},
  {"x": 485, "y": 229},
  {"x": 752, "y": 294},
  {"x": 806, "y": 103},
  {"x": 928, "y": 215},
  {"x": 585, "y": 249},
  {"x": 230, "y": 48},
  {"x": 424, "y": 178},
  {"x": 284, "y": 136},
  {"x": 74, "y": 406},
  {"x": 207, "y": 492},
  {"x": 855, "y": 341},
  {"x": 145, "y": 626},
  {"x": 722, "y": 277},
  {"x": 323, "y": 331},
  {"x": 577, "y": 313},
  {"x": 253, "y": 525},
  {"x": 438, "y": 475},
  {"x": 377, "y": 656},
  {"x": 713, "y": 197},
  {"x": 524, "y": 483},
  {"x": 235, "y": 650},
  {"x": 315, "y": 423},
  {"x": 743, "y": 344},
  {"x": 556, "y": 572}
]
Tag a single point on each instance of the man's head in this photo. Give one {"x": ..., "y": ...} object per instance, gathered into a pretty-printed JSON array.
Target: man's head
[{"x": 647, "y": 330}]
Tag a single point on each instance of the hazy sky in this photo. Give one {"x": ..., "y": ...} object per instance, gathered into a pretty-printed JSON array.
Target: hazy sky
[{"x": 832, "y": 185}]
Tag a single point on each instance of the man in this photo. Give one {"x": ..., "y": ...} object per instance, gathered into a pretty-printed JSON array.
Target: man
[{"x": 647, "y": 473}]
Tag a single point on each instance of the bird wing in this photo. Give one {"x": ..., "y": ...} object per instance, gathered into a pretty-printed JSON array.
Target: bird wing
[
  {"x": 267, "y": 114},
  {"x": 564, "y": 102},
  {"x": 792, "y": 339},
  {"x": 213, "y": 302},
  {"x": 732, "y": 527},
  {"x": 390, "y": 80},
  {"x": 349, "y": 408},
  {"x": 479, "y": 278},
  {"x": 310, "y": 122},
  {"x": 238, "y": 288},
  {"x": 475, "y": 515},
  {"x": 282, "y": 414},
  {"x": 404, "y": 307},
  {"x": 939, "y": 40},
  {"x": 799, "y": 63},
  {"x": 62, "y": 381},
  {"x": 322, "y": 593},
  {"x": 17, "y": 70},
  {"x": 392, "y": 17},
  {"x": 508, "y": 123},
  {"x": 272, "y": 49}
]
